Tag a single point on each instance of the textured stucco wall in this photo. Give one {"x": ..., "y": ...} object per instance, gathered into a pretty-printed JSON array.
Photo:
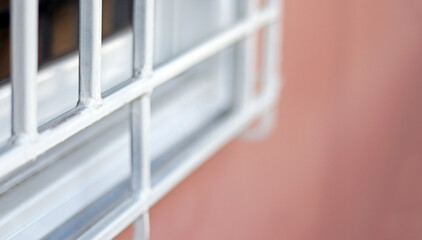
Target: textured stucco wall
[{"x": 345, "y": 160}]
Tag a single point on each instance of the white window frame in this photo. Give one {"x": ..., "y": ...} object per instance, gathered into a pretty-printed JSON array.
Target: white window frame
[{"x": 29, "y": 142}]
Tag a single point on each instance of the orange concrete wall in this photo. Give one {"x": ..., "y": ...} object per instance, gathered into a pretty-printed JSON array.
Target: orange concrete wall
[{"x": 345, "y": 160}]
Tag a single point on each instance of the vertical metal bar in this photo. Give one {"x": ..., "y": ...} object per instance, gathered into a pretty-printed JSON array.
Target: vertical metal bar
[
  {"x": 140, "y": 130},
  {"x": 251, "y": 48},
  {"x": 271, "y": 51},
  {"x": 141, "y": 168},
  {"x": 226, "y": 58},
  {"x": 141, "y": 229},
  {"x": 143, "y": 28},
  {"x": 247, "y": 58},
  {"x": 269, "y": 78},
  {"x": 24, "y": 68},
  {"x": 136, "y": 148},
  {"x": 90, "y": 52},
  {"x": 138, "y": 36}
]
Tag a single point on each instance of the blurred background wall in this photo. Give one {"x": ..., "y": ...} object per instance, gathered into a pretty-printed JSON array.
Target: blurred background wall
[{"x": 345, "y": 159}]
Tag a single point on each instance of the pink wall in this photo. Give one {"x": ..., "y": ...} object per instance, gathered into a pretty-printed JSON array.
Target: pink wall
[{"x": 345, "y": 160}]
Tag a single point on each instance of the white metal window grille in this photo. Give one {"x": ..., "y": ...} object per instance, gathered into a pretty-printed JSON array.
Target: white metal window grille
[{"x": 37, "y": 144}]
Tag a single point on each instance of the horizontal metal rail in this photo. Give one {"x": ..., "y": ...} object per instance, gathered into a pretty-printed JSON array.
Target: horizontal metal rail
[{"x": 22, "y": 152}]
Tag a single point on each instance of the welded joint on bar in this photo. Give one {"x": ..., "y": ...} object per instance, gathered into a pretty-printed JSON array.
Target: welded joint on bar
[{"x": 147, "y": 74}]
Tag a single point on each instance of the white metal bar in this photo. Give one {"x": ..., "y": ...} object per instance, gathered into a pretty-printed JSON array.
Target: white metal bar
[
  {"x": 269, "y": 76},
  {"x": 138, "y": 23},
  {"x": 90, "y": 52},
  {"x": 143, "y": 28},
  {"x": 140, "y": 131},
  {"x": 141, "y": 169},
  {"x": 19, "y": 155},
  {"x": 149, "y": 38},
  {"x": 246, "y": 68},
  {"x": 271, "y": 50},
  {"x": 143, "y": 25},
  {"x": 251, "y": 64},
  {"x": 141, "y": 228},
  {"x": 24, "y": 69},
  {"x": 136, "y": 147}
]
